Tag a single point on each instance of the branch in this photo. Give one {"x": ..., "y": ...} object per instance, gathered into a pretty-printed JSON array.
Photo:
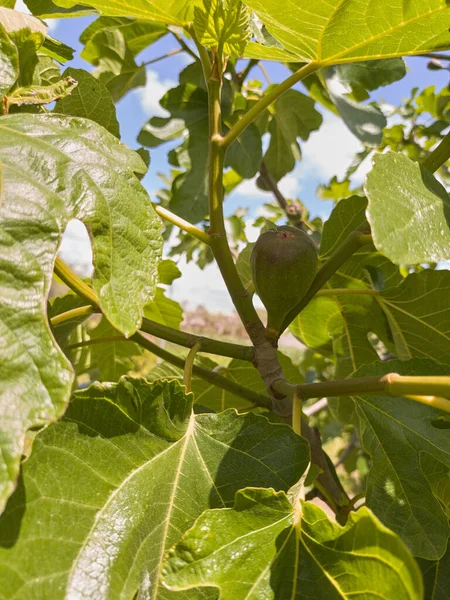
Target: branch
[
  {"x": 167, "y": 55},
  {"x": 439, "y": 156},
  {"x": 427, "y": 390},
  {"x": 219, "y": 244},
  {"x": 210, "y": 376},
  {"x": 293, "y": 212},
  {"x": 157, "y": 329},
  {"x": 184, "y": 46},
  {"x": 351, "y": 245},
  {"x": 267, "y": 100},
  {"x": 188, "y": 340},
  {"x": 182, "y": 224}
]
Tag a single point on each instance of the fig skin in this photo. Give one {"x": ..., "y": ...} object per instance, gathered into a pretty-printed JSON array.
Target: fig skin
[{"x": 283, "y": 263}]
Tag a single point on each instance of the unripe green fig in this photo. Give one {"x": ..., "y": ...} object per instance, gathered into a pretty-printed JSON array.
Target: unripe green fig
[{"x": 283, "y": 264}]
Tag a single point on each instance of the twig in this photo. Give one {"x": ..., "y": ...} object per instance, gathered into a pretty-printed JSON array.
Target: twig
[
  {"x": 162, "y": 57},
  {"x": 182, "y": 224}
]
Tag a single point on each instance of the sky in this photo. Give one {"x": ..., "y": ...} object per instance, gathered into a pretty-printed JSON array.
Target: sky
[{"x": 328, "y": 152}]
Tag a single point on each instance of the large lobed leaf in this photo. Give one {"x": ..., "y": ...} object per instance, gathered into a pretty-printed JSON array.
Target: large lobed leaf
[
  {"x": 411, "y": 460},
  {"x": 335, "y": 31},
  {"x": 170, "y": 12},
  {"x": 53, "y": 169},
  {"x": 113, "y": 485},
  {"x": 409, "y": 211},
  {"x": 265, "y": 548}
]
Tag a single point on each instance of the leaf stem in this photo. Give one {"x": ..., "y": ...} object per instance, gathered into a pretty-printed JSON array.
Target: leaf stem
[
  {"x": 352, "y": 244},
  {"x": 210, "y": 376},
  {"x": 427, "y": 390},
  {"x": 297, "y": 414},
  {"x": 439, "y": 156},
  {"x": 70, "y": 315},
  {"x": 267, "y": 100},
  {"x": 347, "y": 292},
  {"x": 182, "y": 224},
  {"x": 189, "y": 365},
  {"x": 67, "y": 276}
]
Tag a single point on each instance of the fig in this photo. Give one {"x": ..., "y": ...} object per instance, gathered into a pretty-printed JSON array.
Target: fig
[{"x": 283, "y": 263}]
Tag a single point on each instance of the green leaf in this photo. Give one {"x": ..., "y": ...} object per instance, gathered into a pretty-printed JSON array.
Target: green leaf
[
  {"x": 365, "y": 121},
  {"x": 409, "y": 211},
  {"x": 39, "y": 94},
  {"x": 9, "y": 62},
  {"x": 245, "y": 154},
  {"x": 65, "y": 168},
  {"x": 370, "y": 75},
  {"x": 399, "y": 435},
  {"x": 244, "y": 268},
  {"x": 335, "y": 190},
  {"x": 47, "y": 8},
  {"x": 8, "y": 3},
  {"x": 416, "y": 311},
  {"x": 114, "y": 484},
  {"x": 334, "y": 32},
  {"x": 111, "y": 359},
  {"x": 137, "y": 35},
  {"x": 265, "y": 548},
  {"x": 436, "y": 575},
  {"x": 172, "y": 12},
  {"x": 47, "y": 71},
  {"x": 164, "y": 310},
  {"x": 293, "y": 116},
  {"x": 57, "y": 50},
  {"x": 168, "y": 271},
  {"x": 91, "y": 100},
  {"x": 222, "y": 25}
]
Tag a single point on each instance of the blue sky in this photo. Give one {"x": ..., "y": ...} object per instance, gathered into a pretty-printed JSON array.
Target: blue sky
[{"x": 328, "y": 152}]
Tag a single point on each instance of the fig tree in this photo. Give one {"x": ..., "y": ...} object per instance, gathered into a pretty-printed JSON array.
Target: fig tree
[{"x": 283, "y": 264}]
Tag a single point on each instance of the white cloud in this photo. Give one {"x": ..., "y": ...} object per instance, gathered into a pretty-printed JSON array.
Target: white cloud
[
  {"x": 199, "y": 287},
  {"x": 330, "y": 150},
  {"x": 151, "y": 94},
  {"x": 76, "y": 249}
]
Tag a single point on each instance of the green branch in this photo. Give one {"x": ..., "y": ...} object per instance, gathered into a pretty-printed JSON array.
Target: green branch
[
  {"x": 428, "y": 390},
  {"x": 351, "y": 245},
  {"x": 210, "y": 376},
  {"x": 219, "y": 244},
  {"x": 169, "y": 334},
  {"x": 267, "y": 100},
  {"x": 182, "y": 224},
  {"x": 439, "y": 156},
  {"x": 188, "y": 340}
]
